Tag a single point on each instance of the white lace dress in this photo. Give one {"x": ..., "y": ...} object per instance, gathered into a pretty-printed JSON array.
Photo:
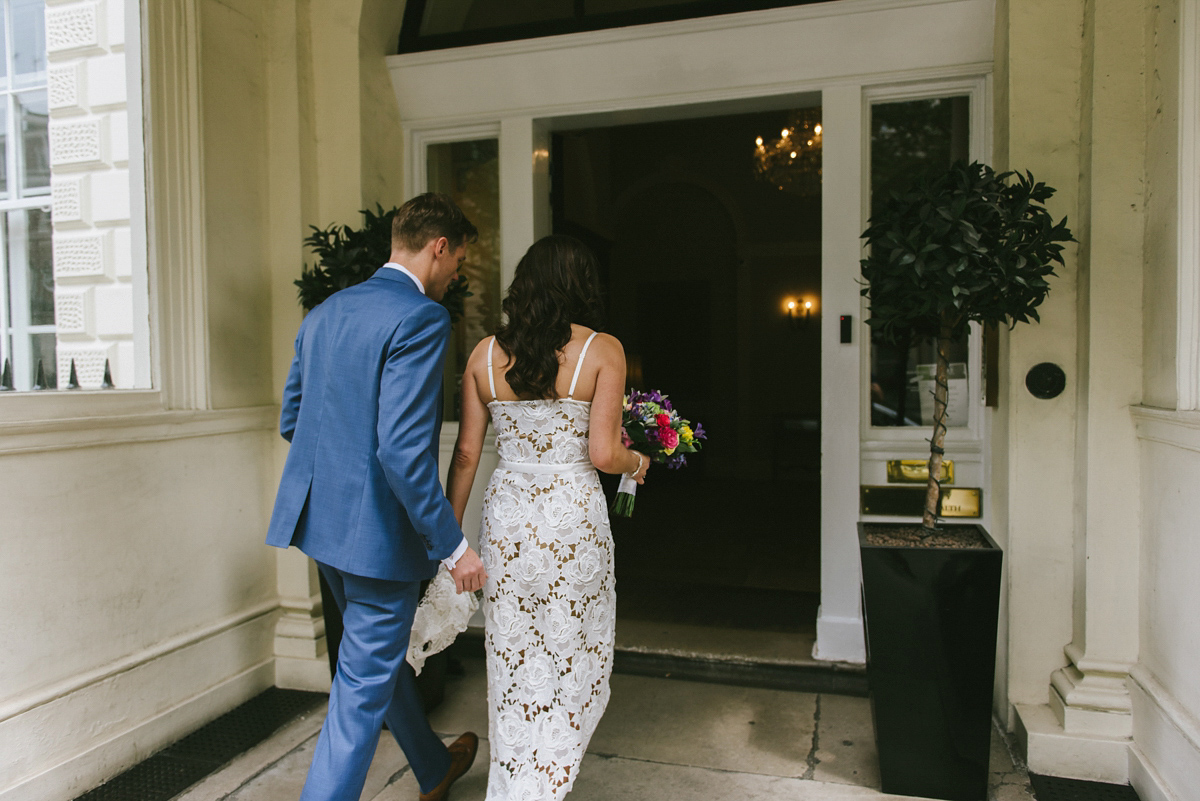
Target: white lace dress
[{"x": 549, "y": 600}]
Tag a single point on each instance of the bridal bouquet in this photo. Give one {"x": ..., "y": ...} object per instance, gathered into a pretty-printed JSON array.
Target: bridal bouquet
[{"x": 651, "y": 425}]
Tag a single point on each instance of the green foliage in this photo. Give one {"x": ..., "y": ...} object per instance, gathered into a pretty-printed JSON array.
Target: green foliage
[
  {"x": 347, "y": 256},
  {"x": 961, "y": 244}
]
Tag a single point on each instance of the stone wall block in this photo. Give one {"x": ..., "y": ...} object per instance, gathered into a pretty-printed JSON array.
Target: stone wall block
[
  {"x": 119, "y": 132},
  {"x": 114, "y": 310},
  {"x": 71, "y": 201},
  {"x": 89, "y": 362},
  {"x": 73, "y": 29},
  {"x": 110, "y": 196},
  {"x": 122, "y": 246},
  {"x": 115, "y": 27},
  {"x": 73, "y": 311},
  {"x": 66, "y": 86},
  {"x": 86, "y": 256},
  {"x": 77, "y": 144},
  {"x": 106, "y": 81}
]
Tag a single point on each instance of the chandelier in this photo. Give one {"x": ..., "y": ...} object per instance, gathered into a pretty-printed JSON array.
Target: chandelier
[{"x": 793, "y": 161}]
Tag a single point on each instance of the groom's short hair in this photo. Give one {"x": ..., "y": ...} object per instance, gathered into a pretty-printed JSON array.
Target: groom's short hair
[{"x": 427, "y": 217}]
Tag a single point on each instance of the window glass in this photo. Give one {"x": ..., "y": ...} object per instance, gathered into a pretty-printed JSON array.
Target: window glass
[
  {"x": 33, "y": 125},
  {"x": 433, "y": 24},
  {"x": 907, "y": 138},
  {"x": 36, "y": 254},
  {"x": 470, "y": 173},
  {"x": 29, "y": 40},
  {"x": 4, "y": 146}
]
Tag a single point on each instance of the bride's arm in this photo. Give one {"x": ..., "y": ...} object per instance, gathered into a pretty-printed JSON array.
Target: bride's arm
[
  {"x": 607, "y": 452},
  {"x": 471, "y": 431}
]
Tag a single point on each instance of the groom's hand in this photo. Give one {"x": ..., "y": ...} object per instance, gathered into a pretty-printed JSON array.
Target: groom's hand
[{"x": 469, "y": 574}]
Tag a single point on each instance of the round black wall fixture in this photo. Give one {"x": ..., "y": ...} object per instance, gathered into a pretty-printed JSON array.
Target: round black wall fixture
[{"x": 1045, "y": 380}]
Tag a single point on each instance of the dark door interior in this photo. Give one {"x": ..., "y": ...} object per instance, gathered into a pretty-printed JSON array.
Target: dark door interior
[{"x": 701, "y": 254}]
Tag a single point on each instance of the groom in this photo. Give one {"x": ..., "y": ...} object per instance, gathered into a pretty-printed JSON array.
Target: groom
[{"x": 360, "y": 493}]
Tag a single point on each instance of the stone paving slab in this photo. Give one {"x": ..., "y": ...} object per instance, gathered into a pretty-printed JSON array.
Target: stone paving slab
[{"x": 678, "y": 740}]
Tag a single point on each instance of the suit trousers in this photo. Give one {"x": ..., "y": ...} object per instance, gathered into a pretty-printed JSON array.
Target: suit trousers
[{"x": 372, "y": 684}]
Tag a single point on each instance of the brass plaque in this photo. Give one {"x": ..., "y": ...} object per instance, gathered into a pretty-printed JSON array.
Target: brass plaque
[
  {"x": 916, "y": 471},
  {"x": 910, "y": 501}
]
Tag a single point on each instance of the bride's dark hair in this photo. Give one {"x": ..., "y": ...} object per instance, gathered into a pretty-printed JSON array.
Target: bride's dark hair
[{"x": 556, "y": 283}]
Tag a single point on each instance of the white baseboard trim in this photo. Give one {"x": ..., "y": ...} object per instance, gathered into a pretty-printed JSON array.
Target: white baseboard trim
[
  {"x": 840, "y": 639},
  {"x": 1050, "y": 751},
  {"x": 1146, "y": 780},
  {"x": 62, "y": 746},
  {"x": 1164, "y": 764}
]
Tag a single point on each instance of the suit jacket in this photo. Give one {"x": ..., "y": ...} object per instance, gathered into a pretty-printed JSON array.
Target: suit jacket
[{"x": 360, "y": 489}]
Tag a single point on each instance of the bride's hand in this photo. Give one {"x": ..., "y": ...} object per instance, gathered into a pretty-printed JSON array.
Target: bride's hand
[{"x": 640, "y": 474}]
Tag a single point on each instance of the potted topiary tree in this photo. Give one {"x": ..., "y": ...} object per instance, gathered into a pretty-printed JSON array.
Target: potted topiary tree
[
  {"x": 963, "y": 244},
  {"x": 347, "y": 256}
]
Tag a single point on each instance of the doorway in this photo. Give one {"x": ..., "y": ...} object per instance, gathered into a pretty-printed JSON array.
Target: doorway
[{"x": 711, "y": 266}]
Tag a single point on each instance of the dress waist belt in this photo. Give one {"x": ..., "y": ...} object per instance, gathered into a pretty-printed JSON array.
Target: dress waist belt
[{"x": 539, "y": 467}]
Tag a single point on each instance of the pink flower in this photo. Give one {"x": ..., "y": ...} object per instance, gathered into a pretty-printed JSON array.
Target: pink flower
[
  {"x": 669, "y": 437},
  {"x": 663, "y": 421},
  {"x": 625, "y": 440}
]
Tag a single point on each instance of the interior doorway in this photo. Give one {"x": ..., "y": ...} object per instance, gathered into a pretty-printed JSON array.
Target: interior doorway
[{"x": 711, "y": 265}]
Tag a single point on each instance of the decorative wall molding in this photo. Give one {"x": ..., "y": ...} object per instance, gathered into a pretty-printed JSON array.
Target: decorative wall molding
[
  {"x": 70, "y": 433},
  {"x": 175, "y": 199}
]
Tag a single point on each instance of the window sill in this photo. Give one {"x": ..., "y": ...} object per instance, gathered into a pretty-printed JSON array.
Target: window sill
[
  {"x": 1167, "y": 426},
  {"x": 130, "y": 425}
]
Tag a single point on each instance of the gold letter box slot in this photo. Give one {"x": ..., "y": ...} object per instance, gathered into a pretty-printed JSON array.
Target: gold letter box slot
[
  {"x": 910, "y": 501},
  {"x": 916, "y": 471}
]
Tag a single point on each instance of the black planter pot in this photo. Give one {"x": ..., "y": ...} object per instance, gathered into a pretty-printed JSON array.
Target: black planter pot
[{"x": 930, "y": 616}]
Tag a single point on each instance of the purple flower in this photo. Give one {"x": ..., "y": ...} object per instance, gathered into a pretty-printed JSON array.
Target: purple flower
[{"x": 698, "y": 432}]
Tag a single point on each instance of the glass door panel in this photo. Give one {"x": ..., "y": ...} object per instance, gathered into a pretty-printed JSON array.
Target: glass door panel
[
  {"x": 469, "y": 172},
  {"x": 909, "y": 137}
]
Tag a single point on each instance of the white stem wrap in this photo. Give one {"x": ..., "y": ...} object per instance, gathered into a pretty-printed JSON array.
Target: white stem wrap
[{"x": 627, "y": 485}]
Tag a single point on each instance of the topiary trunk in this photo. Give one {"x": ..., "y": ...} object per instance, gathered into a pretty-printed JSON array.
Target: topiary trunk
[{"x": 937, "y": 443}]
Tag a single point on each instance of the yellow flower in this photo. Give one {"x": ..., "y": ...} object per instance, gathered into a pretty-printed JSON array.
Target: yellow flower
[{"x": 685, "y": 434}]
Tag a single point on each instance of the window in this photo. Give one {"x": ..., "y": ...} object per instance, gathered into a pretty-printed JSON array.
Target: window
[
  {"x": 438, "y": 24},
  {"x": 469, "y": 172},
  {"x": 27, "y": 329},
  {"x": 908, "y": 137},
  {"x": 67, "y": 269}
]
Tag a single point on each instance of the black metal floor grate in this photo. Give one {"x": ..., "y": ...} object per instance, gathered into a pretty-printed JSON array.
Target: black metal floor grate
[
  {"x": 182, "y": 764},
  {"x": 1052, "y": 788}
]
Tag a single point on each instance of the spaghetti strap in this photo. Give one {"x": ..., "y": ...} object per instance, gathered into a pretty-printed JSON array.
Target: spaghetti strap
[
  {"x": 579, "y": 366},
  {"x": 491, "y": 378}
]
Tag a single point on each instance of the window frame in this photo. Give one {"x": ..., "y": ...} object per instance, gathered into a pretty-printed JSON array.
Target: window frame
[
  {"x": 411, "y": 40},
  {"x": 976, "y": 88}
]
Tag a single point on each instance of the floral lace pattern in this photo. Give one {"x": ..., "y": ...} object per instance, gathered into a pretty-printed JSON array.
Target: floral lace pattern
[{"x": 549, "y": 600}]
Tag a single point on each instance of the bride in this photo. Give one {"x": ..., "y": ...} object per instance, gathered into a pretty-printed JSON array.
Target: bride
[{"x": 553, "y": 388}]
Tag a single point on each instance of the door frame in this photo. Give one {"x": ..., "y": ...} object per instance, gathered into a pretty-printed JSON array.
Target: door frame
[{"x": 752, "y": 61}]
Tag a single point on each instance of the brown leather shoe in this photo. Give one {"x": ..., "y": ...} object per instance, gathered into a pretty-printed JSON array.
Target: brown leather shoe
[{"x": 462, "y": 755}]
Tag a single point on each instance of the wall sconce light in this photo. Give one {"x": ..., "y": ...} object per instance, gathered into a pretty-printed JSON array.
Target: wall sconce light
[{"x": 799, "y": 314}]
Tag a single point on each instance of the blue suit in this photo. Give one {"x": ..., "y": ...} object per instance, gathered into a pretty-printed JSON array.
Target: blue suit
[{"x": 360, "y": 495}]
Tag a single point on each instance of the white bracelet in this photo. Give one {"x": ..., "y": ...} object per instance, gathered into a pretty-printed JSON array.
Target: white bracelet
[{"x": 639, "y": 467}]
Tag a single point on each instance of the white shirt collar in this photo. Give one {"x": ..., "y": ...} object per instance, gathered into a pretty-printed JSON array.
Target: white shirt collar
[{"x": 407, "y": 272}]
